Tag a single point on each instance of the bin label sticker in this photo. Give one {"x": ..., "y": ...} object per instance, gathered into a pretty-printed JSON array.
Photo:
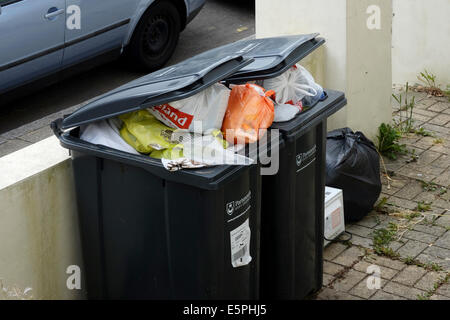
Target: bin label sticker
[
  {"x": 305, "y": 159},
  {"x": 239, "y": 206},
  {"x": 240, "y": 245}
]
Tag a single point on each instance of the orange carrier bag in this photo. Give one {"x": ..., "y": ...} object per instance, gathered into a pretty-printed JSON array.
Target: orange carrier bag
[{"x": 249, "y": 113}]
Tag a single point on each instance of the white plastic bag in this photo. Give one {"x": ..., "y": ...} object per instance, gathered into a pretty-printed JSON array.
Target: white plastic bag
[
  {"x": 286, "y": 112},
  {"x": 294, "y": 85},
  {"x": 106, "y": 133},
  {"x": 209, "y": 150},
  {"x": 207, "y": 108}
]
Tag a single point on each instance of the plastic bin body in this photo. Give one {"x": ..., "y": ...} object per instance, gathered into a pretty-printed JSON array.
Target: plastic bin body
[
  {"x": 152, "y": 234},
  {"x": 145, "y": 237},
  {"x": 292, "y": 214}
]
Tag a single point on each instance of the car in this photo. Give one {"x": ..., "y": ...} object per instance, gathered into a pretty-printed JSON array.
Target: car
[{"x": 44, "y": 41}]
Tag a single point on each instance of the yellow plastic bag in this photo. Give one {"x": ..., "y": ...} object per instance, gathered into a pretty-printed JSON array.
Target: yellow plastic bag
[
  {"x": 145, "y": 133},
  {"x": 171, "y": 154}
]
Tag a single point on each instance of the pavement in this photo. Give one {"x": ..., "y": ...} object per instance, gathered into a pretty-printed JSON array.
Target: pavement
[
  {"x": 413, "y": 263},
  {"x": 26, "y": 120}
]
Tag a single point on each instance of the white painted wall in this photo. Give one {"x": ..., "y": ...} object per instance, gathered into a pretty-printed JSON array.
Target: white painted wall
[
  {"x": 354, "y": 59},
  {"x": 39, "y": 235},
  {"x": 420, "y": 40}
]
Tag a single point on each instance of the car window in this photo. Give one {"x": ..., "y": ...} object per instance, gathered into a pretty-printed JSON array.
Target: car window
[{"x": 6, "y": 2}]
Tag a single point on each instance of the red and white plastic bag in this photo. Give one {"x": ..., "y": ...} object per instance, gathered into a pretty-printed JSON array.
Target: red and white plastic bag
[{"x": 206, "y": 110}]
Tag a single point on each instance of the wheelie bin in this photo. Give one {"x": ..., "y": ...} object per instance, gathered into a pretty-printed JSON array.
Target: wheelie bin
[
  {"x": 148, "y": 233},
  {"x": 291, "y": 260},
  {"x": 153, "y": 234}
]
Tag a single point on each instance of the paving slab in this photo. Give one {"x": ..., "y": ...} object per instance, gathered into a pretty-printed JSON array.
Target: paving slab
[
  {"x": 403, "y": 291},
  {"x": 332, "y": 268},
  {"x": 428, "y": 281},
  {"x": 420, "y": 236},
  {"x": 444, "y": 241},
  {"x": 385, "y": 273},
  {"x": 444, "y": 290},
  {"x": 369, "y": 221},
  {"x": 412, "y": 249},
  {"x": 11, "y": 146},
  {"x": 333, "y": 250},
  {"x": 330, "y": 294},
  {"x": 410, "y": 275},
  {"x": 382, "y": 295},
  {"x": 352, "y": 277},
  {"x": 433, "y": 230},
  {"x": 349, "y": 256}
]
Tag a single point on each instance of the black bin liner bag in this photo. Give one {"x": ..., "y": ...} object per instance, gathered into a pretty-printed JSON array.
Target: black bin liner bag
[{"x": 353, "y": 165}]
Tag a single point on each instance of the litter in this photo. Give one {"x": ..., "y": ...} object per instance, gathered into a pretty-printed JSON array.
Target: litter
[
  {"x": 294, "y": 86},
  {"x": 106, "y": 133},
  {"x": 145, "y": 133},
  {"x": 206, "y": 107},
  {"x": 209, "y": 149},
  {"x": 286, "y": 112},
  {"x": 353, "y": 165},
  {"x": 249, "y": 113}
]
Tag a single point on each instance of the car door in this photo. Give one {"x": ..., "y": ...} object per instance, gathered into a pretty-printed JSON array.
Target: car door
[
  {"x": 101, "y": 28},
  {"x": 31, "y": 40}
]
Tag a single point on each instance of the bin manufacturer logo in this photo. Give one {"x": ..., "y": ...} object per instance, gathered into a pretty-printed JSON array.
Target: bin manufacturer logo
[
  {"x": 230, "y": 208},
  {"x": 299, "y": 160},
  {"x": 304, "y": 159}
]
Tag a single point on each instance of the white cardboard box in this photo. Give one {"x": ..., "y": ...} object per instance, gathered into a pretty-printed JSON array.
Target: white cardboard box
[{"x": 334, "y": 214}]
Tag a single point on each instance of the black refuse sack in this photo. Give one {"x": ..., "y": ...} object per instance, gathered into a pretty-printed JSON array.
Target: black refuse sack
[{"x": 353, "y": 165}]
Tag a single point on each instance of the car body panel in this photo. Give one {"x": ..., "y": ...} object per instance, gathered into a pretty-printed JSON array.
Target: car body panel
[
  {"x": 106, "y": 26},
  {"x": 102, "y": 29},
  {"x": 26, "y": 58}
]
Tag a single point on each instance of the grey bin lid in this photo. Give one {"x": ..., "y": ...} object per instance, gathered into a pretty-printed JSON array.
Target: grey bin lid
[{"x": 240, "y": 61}]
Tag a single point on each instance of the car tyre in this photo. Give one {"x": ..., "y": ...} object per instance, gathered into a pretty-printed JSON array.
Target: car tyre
[{"x": 156, "y": 36}]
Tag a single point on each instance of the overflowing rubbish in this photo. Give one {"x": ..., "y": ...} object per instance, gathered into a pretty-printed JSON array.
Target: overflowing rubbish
[
  {"x": 286, "y": 112},
  {"x": 206, "y": 107},
  {"x": 212, "y": 126},
  {"x": 353, "y": 165},
  {"x": 145, "y": 133},
  {"x": 106, "y": 133},
  {"x": 249, "y": 113}
]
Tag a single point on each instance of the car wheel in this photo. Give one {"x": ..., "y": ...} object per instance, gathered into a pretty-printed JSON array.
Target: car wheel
[{"x": 156, "y": 36}]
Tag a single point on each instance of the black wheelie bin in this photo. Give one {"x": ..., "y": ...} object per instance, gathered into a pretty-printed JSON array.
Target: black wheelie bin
[
  {"x": 292, "y": 209},
  {"x": 150, "y": 233},
  {"x": 293, "y": 221}
]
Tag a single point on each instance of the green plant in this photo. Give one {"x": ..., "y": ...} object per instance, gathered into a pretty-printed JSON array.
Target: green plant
[
  {"x": 386, "y": 251},
  {"x": 413, "y": 215},
  {"x": 447, "y": 92},
  {"x": 405, "y": 124},
  {"x": 432, "y": 266},
  {"x": 380, "y": 206},
  {"x": 423, "y": 206},
  {"x": 438, "y": 141},
  {"x": 409, "y": 261},
  {"x": 429, "y": 186},
  {"x": 382, "y": 237},
  {"x": 388, "y": 137},
  {"x": 422, "y": 132},
  {"x": 428, "y": 79}
]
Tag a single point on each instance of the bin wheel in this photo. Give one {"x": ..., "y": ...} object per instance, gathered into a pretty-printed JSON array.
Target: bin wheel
[{"x": 156, "y": 36}]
